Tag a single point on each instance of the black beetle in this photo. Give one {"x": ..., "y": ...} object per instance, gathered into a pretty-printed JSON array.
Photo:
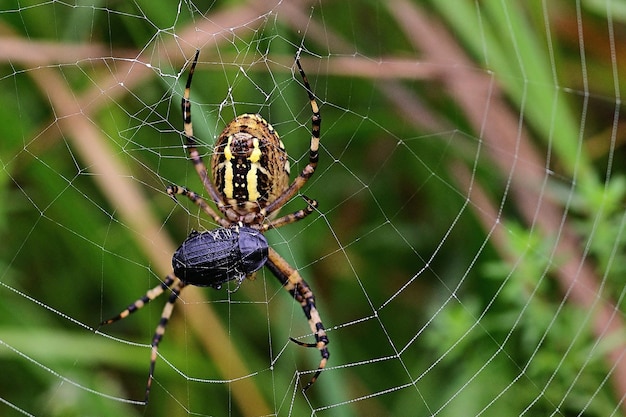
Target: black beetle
[{"x": 211, "y": 258}]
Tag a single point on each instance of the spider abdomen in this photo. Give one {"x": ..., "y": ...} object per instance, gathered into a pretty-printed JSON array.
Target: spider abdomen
[
  {"x": 249, "y": 164},
  {"x": 209, "y": 259}
]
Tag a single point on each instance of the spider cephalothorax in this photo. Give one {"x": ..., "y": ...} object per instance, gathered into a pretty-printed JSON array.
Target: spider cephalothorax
[{"x": 249, "y": 184}]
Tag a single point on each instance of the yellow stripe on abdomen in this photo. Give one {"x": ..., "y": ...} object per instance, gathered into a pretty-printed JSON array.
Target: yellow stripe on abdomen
[
  {"x": 228, "y": 170},
  {"x": 252, "y": 179}
]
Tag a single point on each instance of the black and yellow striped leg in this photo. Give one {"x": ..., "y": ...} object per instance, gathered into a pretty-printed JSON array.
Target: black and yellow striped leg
[
  {"x": 160, "y": 331},
  {"x": 192, "y": 144},
  {"x": 301, "y": 292},
  {"x": 174, "y": 190},
  {"x": 293, "y": 217},
  {"x": 309, "y": 169},
  {"x": 316, "y": 119},
  {"x": 149, "y": 296},
  {"x": 175, "y": 285}
]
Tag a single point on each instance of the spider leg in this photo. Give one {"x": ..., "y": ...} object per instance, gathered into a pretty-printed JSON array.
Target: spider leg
[
  {"x": 309, "y": 169},
  {"x": 174, "y": 190},
  {"x": 160, "y": 331},
  {"x": 175, "y": 285},
  {"x": 301, "y": 292},
  {"x": 145, "y": 299},
  {"x": 191, "y": 144},
  {"x": 292, "y": 217}
]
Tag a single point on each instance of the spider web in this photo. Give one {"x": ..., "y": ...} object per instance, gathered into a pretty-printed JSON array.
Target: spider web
[{"x": 467, "y": 256}]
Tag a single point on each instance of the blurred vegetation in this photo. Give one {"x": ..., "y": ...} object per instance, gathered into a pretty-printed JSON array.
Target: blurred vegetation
[{"x": 469, "y": 243}]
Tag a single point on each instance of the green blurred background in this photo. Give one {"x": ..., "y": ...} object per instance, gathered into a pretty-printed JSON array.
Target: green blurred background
[{"x": 468, "y": 251}]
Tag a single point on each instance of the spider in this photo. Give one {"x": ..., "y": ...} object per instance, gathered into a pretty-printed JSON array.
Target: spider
[{"x": 249, "y": 184}]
